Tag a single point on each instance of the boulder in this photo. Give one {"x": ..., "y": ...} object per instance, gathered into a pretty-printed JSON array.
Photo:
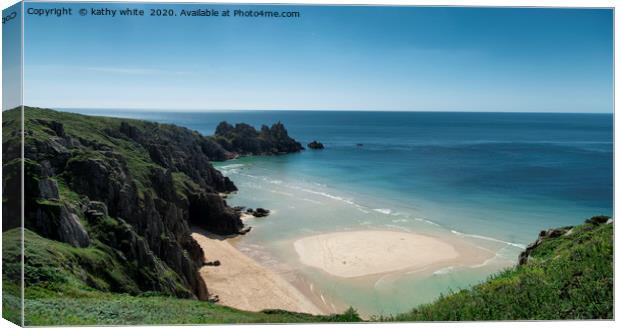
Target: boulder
[
  {"x": 48, "y": 189},
  {"x": 98, "y": 207},
  {"x": 599, "y": 219},
  {"x": 261, "y": 212},
  {"x": 71, "y": 231},
  {"x": 55, "y": 221},
  {"x": 239, "y": 208}
]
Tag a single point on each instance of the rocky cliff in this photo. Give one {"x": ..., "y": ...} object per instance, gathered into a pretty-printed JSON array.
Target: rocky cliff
[{"x": 128, "y": 187}]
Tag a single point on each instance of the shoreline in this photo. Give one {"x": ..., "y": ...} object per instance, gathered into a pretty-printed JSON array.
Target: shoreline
[{"x": 242, "y": 283}]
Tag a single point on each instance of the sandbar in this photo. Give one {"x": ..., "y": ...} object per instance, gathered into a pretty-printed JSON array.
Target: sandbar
[{"x": 351, "y": 254}]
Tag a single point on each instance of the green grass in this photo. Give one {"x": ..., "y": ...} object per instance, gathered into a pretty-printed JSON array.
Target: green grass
[
  {"x": 114, "y": 309},
  {"x": 11, "y": 274},
  {"x": 569, "y": 277},
  {"x": 60, "y": 267}
]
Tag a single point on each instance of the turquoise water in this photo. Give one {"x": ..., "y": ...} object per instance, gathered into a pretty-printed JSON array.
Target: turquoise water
[{"x": 493, "y": 179}]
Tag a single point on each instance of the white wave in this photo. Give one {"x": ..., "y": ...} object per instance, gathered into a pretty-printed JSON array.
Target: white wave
[
  {"x": 381, "y": 280},
  {"x": 231, "y": 166},
  {"x": 487, "y": 238},
  {"x": 279, "y": 192},
  {"x": 400, "y": 221},
  {"x": 327, "y": 195},
  {"x": 385, "y": 211},
  {"x": 445, "y": 270},
  {"x": 359, "y": 207},
  {"x": 427, "y": 221},
  {"x": 362, "y": 209},
  {"x": 485, "y": 263},
  {"x": 265, "y": 179}
]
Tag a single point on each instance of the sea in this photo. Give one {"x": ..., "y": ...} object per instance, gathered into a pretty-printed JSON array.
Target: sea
[{"x": 493, "y": 179}]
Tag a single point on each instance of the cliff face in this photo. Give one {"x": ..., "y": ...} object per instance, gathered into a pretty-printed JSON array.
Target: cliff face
[
  {"x": 128, "y": 187},
  {"x": 243, "y": 139}
]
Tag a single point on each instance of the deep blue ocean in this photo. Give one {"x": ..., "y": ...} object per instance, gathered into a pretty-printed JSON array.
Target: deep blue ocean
[{"x": 497, "y": 176}]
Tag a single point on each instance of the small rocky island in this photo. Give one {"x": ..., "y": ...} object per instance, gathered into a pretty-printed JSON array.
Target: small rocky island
[
  {"x": 257, "y": 213},
  {"x": 316, "y": 145},
  {"x": 244, "y": 140}
]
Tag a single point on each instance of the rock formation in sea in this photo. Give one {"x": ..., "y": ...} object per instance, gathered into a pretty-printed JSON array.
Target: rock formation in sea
[
  {"x": 316, "y": 145},
  {"x": 244, "y": 139},
  {"x": 261, "y": 212}
]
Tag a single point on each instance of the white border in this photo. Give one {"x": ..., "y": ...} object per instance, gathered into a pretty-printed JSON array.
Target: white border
[{"x": 487, "y": 3}]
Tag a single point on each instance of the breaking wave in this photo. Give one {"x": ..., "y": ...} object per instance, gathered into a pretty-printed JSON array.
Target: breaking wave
[{"x": 488, "y": 238}]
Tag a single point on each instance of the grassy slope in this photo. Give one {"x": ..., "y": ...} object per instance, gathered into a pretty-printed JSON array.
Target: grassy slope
[
  {"x": 569, "y": 277},
  {"x": 57, "y": 295}
]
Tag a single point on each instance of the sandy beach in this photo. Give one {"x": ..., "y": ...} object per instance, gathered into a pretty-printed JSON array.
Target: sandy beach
[
  {"x": 242, "y": 283},
  {"x": 354, "y": 254}
]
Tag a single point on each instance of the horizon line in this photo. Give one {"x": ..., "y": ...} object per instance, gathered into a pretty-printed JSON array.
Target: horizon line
[{"x": 206, "y": 110}]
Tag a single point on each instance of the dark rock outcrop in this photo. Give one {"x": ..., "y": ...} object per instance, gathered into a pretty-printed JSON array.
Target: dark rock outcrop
[
  {"x": 542, "y": 236},
  {"x": 213, "y": 263},
  {"x": 244, "y": 139},
  {"x": 211, "y": 212},
  {"x": 599, "y": 219},
  {"x": 245, "y": 230},
  {"x": 316, "y": 145},
  {"x": 45, "y": 213},
  {"x": 261, "y": 212}
]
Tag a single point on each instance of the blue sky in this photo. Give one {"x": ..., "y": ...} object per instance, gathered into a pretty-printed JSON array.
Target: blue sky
[{"x": 345, "y": 58}]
